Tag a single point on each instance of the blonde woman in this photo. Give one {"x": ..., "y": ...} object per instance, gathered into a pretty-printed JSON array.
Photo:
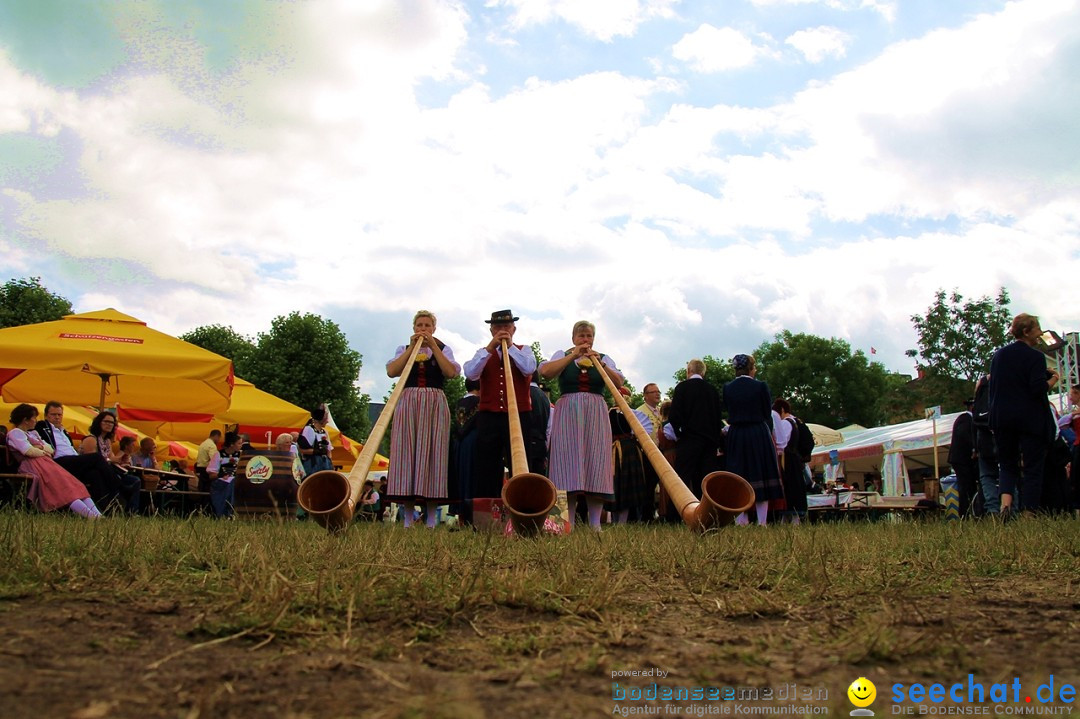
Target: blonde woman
[
  {"x": 580, "y": 459},
  {"x": 420, "y": 434}
]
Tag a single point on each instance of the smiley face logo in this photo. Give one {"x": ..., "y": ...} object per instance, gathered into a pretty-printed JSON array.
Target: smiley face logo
[{"x": 862, "y": 692}]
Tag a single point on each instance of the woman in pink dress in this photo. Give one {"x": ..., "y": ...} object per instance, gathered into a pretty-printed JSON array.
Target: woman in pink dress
[{"x": 53, "y": 486}]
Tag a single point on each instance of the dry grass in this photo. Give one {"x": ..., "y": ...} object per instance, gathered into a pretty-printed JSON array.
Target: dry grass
[{"x": 742, "y": 605}]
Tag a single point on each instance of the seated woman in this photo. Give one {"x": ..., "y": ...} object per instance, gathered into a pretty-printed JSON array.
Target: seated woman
[
  {"x": 122, "y": 486},
  {"x": 53, "y": 486}
]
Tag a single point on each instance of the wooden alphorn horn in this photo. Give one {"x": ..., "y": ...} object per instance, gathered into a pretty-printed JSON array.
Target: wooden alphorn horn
[
  {"x": 724, "y": 495},
  {"x": 527, "y": 496},
  {"x": 329, "y": 497}
]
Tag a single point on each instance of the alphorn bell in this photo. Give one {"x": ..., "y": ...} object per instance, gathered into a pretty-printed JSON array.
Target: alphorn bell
[
  {"x": 527, "y": 496},
  {"x": 724, "y": 495},
  {"x": 329, "y": 497}
]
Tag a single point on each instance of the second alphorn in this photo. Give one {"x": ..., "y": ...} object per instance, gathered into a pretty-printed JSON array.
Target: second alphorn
[
  {"x": 329, "y": 497},
  {"x": 527, "y": 496},
  {"x": 724, "y": 495}
]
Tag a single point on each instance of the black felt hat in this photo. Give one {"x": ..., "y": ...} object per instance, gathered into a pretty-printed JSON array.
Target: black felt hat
[{"x": 502, "y": 316}]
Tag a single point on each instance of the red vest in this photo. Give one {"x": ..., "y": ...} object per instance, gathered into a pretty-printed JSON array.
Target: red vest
[{"x": 493, "y": 386}]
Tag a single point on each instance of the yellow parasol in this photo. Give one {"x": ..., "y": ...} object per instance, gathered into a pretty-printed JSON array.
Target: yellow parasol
[{"x": 107, "y": 357}]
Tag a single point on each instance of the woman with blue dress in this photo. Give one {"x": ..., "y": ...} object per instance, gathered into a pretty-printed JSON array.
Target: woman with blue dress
[{"x": 749, "y": 448}]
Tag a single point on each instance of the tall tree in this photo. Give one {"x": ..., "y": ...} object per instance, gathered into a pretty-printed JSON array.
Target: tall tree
[
  {"x": 958, "y": 338},
  {"x": 226, "y": 342},
  {"x": 27, "y": 302},
  {"x": 306, "y": 360},
  {"x": 551, "y": 385},
  {"x": 824, "y": 381}
]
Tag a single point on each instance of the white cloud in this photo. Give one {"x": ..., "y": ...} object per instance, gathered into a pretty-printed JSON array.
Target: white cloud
[
  {"x": 602, "y": 19},
  {"x": 683, "y": 225},
  {"x": 712, "y": 49},
  {"x": 819, "y": 43},
  {"x": 905, "y": 133}
]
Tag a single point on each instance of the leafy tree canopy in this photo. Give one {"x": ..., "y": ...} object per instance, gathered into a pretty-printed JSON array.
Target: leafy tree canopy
[
  {"x": 27, "y": 302},
  {"x": 306, "y": 360},
  {"x": 824, "y": 381},
  {"x": 957, "y": 338},
  {"x": 226, "y": 342}
]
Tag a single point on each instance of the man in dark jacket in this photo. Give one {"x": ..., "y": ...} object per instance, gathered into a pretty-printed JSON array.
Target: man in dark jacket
[
  {"x": 696, "y": 417},
  {"x": 964, "y": 463}
]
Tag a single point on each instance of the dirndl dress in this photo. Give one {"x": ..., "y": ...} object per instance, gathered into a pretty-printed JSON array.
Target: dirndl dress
[
  {"x": 53, "y": 486},
  {"x": 751, "y": 454},
  {"x": 419, "y": 446}
]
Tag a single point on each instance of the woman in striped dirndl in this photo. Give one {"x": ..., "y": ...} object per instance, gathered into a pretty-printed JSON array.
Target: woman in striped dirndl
[
  {"x": 580, "y": 446},
  {"x": 420, "y": 436}
]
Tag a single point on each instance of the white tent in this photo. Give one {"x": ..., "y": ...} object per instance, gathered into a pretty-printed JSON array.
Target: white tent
[{"x": 892, "y": 451}]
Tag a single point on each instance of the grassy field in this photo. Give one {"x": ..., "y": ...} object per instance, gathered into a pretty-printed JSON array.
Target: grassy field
[{"x": 189, "y": 618}]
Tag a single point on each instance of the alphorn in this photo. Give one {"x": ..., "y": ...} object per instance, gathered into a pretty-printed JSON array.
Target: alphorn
[
  {"x": 329, "y": 497},
  {"x": 724, "y": 495},
  {"x": 527, "y": 496}
]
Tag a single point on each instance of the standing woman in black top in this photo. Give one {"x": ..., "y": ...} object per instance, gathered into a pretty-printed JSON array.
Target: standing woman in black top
[{"x": 1020, "y": 414}]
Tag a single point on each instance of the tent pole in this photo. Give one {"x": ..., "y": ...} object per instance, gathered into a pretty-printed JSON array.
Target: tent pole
[
  {"x": 101, "y": 398},
  {"x": 937, "y": 470}
]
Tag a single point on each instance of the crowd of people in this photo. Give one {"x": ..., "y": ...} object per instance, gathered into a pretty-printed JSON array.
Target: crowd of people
[
  {"x": 101, "y": 472},
  {"x": 1011, "y": 454},
  {"x": 589, "y": 450}
]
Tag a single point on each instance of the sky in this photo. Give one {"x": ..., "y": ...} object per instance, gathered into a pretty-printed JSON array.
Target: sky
[{"x": 691, "y": 176}]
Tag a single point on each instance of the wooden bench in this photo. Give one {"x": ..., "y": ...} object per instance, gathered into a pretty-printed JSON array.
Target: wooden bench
[
  {"x": 163, "y": 500},
  {"x": 18, "y": 484}
]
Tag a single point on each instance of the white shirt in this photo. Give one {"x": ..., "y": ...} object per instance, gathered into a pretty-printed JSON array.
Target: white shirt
[
  {"x": 608, "y": 362},
  {"x": 522, "y": 357},
  {"x": 425, "y": 353},
  {"x": 63, "y": 444},
  {"x": 215, "y": 466},
  {"x": 20, "y": 440},
  {"x": 781, "y": 430}
]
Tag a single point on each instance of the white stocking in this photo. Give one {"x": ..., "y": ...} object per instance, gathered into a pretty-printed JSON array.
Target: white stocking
[
  {"x": 596, "y": 508},
  {"x": 762, "y": 512},
  {"x": 84, "y": 508}
]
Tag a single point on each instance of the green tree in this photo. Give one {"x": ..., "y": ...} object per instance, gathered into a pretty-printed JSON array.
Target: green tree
[
  {"x": 226, "y": 342},
  {"x": 906, "y": 399},
  {"x": 824, "y": 381},
  {"x": 718, "y": 372},
  {"x": 27, "y": 302},
  {"x": 306, "y": 360},
  {"x": 958, "y": 338}
]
